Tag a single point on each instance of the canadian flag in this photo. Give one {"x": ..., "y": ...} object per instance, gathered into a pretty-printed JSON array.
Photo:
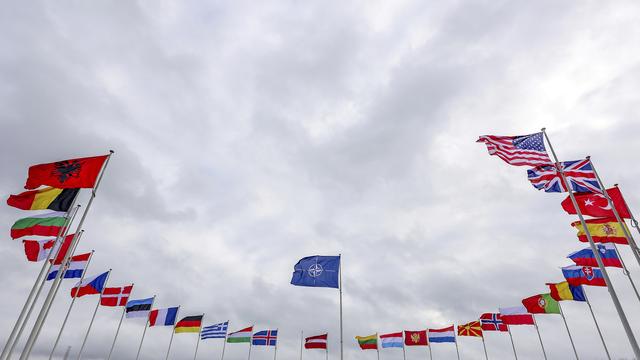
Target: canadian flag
[
  {"x": 38, "y": 250},
  {"x": 115, "y": 296}
]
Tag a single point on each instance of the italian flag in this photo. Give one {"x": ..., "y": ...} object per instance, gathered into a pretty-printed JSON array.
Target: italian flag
[{"x": 241, "y": 336}]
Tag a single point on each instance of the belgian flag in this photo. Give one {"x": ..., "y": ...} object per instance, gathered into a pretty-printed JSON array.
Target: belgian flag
[
  {"x": 189, "y": 324},
  {"x": 43, "y": 199}
]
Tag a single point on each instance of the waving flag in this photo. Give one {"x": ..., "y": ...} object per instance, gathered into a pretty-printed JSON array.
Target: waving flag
[
  {"x": 138, "y": 308},
  {"x": 518, "y": 150},
  {"x": 605, "y": 230},
  {"x": 217, "y": 331},
  {"x": 77, "y": 264},
  {"x": 189, "y": 324},
  {"x": 73, "y": 173},
  {"x": 316, "y": 342},
  {"x": 241, "y": 336},
  {"x": 391, "y": 340},
  {"x": 596, "y": 205},
  {"x": 492, "y": 322},
  {"x": 38, "y": 250},
  {"x": 415, "y": 338},
  {"x": 516, "y": 315},
  {"x": 564, "y": 291},
  {"x": 317, "y": 271},
  {"x": 48, "y": 224},
  {"x": 585, "y": 257},
  {"x": 90, "y": 286},
  {"x": 579, "y": 174},
  {"x": 470, "y": 329},
  {"x": 541, "y": 304},
  {"x": 163, "y": 317},
  {"x": 442, "y": 335},
  {"x": 115, "y": 296},
  {"x": 583, "y": 275},
  {"x": 265, "y": 338},
  {"x": 43, "y": 199},
  {"x": 368, "y": 342}
]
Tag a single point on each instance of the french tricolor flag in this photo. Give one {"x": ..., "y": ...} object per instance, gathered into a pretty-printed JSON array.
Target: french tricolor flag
[
  {"x": 91, "y": 285},
  {"x": 163, "y": 317},
  {"x": 443, "y": 335}
]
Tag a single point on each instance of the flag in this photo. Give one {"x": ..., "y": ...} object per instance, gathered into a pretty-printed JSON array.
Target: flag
[
  {"x": 241, "y": 336},
  {"x": 265, "y": 338},
  {"x": 415, "y": 338},
  {"x": 585, "y": 257},
  {"x": 516, "y": 315},
  {"x": 90, "y": 286},
  {"x": 472, "y": 328},
  {"x": 77, "y": 265},
  {"x": 604, "y": 230},
  {"x": 38, "y": 250},
  {"x": 72, "y": 173},
  {"x": 64, "y": 249},
  {"x": 163, "y": 317},
  {"x": 579, "y": 174},
  {"x": 391, "y": 340},
  {"x": 115, "y": 296},
  {"x": 189, "y": 324},
  {"x": 541, "y": 304},
  {"x": 217, "y": 331},
  {"x": 368, "y": 342},
  {"x": 492, "y": 322},
  {"x": 442, "y": 335},
  {"x": 43, "y": 199},
  {"x": 596, "y": 205},
  {"x": 564, "y": 291},
  {"x": 583, "y": 275},
  {"x": 138, "y": 308},
  {"x": 317, "y": 271},
  {"x": 48, "y": 224},
  {"x": 518, "y": 150},
  {"x": 316, "y": 342}
]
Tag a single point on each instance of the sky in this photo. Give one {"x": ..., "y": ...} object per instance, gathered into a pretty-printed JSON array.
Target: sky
[{"x": 248, "y": 135}]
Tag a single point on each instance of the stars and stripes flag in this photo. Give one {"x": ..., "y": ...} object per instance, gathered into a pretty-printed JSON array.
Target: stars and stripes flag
[
  {"x": 518, "y": 150},
  {"x": 217, "y": 331},
  {"x": 579, "y": 174},
  {"x": 115, "y": 296}
]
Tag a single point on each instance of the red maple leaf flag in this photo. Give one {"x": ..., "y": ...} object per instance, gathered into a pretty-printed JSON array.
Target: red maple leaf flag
[
  {"x": 72, "y": 173},
  {"x": 596, "y": 205}
]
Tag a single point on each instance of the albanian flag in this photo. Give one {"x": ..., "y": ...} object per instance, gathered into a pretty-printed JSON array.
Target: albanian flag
[
  {"x": 73, "y": 173},
  {"x": 596, "y": 205},
  {"x": 43, "y": 199}
]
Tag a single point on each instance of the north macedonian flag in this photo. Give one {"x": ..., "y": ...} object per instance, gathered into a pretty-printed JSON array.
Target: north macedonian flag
[
  {"x": 470, "y": 329},
  {"x": 72, "y": 173},
  {"x": 189, "y": 324},
  {"x": 43, "y": 199},
  {"x": 48, "y": 224},
  {"x": 368, "y": 342}
]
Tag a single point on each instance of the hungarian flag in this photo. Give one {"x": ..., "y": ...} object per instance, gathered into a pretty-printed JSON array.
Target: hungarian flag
[
  {"x": 604, "y": 230},
  {"x": 516, "y": 315},
  {"x": 72, "y": 173},
  {"x": 43, "y": 199},
  {"x": 48, "y": 224},
  {"x": 316, "y": 342},
  {"x": 608, "y": 254},
  {"x": 241, "y": 336},
  {"x": 492, "y": 322},
  {"x": 189, "y": 324},
  {"x": 38, "y": 250},
  {"x": 368, "y": 342},
  {"x": 564, "y": 291},
  {"x": 596, "y": 205},
  {"x": 415, "y": 338},
  {"x": 583, "y": 275},
  {"x": 470, "y": 329},
  {"x": 541, "y": 304},
  {"x": 115, "y": 296}
]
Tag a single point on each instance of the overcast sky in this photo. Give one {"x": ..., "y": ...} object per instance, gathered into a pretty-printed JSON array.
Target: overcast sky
[{"x": 250, "y": 134}]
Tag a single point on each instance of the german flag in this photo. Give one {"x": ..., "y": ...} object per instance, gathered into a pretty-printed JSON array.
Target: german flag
[
  {"x": 43, "y": 199},
  {"x": 189, "y": 324}
]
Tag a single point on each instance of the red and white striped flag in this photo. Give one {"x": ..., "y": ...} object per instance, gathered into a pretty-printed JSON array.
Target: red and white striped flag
[
  {"x": 115, "y": 296},
  {"x": 518, "y": 150},
  {"x": 316, "y": 342}
]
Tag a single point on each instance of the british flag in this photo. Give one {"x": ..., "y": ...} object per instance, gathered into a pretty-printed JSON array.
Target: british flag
[{"x": 579, "y": 174}]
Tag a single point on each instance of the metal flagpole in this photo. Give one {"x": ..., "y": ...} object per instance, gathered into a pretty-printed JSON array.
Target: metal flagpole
[
  {"x": 326, "y": 348},
  {"x": 455, "y": 339},
  {"x": 224, "y": 344},
  {"x": 568, "y": 332},
  {"x": 605, "y": 275},
  {"x": 535, "y": 323},
  {"x": 146, "y": 325},
  {"x": 634, "y": 222},
  {"x": 484, "y": 345},
  {"x": 275, "y": 349},
  {"x": 66, "y": 354},
  {"x": 596, "y": 322},
  {"x": 113, "y": 345},
  {"x": 301, "y": 342},
  {"x": 430, "y": 354},
  {"x": 626, "y": 272},
  {"x": 84, "y": 342},
  {"x": 73, "y": 300},
  {"x": 198, "y": 342},
  {"x": 30, "y": 303},
  {"x": 404, "y": 353},
  {"x": 250, "y": 343},
  {"x": 172, "y": 333},
  {"x": 50, "y": 296},
  {"x": 513, "y": 345},
  {"x": 340, "y": 285}
]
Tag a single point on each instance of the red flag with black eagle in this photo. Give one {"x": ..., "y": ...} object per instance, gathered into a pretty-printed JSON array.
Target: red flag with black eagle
[{"x": 72, "y": 173}]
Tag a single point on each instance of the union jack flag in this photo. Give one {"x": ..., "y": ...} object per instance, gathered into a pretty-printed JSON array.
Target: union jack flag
[
  {"x": 518, "y": 150},
  {"x": 579, "y": 174},
  {"x": 265, "y": 338}
]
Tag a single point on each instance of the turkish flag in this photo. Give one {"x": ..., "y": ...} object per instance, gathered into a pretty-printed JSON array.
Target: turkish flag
[
  {"x": 72, "y": 173},
  {"x": 596, "y": 205},
  {"x": 413, "y": 338}
]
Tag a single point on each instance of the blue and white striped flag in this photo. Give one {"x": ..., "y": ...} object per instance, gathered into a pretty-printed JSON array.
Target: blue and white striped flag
[{"x": 217, "y": 331}]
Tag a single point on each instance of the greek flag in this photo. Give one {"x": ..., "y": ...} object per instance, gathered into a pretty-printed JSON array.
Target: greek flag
[{"x": 217, "y": 331}]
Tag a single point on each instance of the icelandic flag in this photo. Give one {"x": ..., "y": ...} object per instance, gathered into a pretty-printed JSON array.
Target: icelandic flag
[
  {"x": 583, "y": 275},
  {"x": 317, "y": 271},
  {"x": 163, "y": 317},
  {"x": 608, "y": 253},
  {"x": 139, "y": 308},
  {"x": 265, "y": 338},
  {"x": 442, "y": 335},
  {"x": 77, "y": 264},
  {"x": 90, "y": 286},
  {"x": 391, "y": 340}
]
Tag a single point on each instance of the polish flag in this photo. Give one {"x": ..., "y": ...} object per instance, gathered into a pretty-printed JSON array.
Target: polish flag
[{"x": 516, "y": 315}]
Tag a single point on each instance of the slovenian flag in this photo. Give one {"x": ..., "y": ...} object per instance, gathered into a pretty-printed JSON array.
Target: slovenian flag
[
  {"x": 76, "y": 267},
  {"x": 90, "y": 286},
  {"x": 608, "y": 253},
  {"x": 442, "y": 335}
]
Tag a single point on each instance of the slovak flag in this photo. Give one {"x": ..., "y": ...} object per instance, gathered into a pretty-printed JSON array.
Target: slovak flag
[
  {"x": 90, "y": 286},
  {"x": 115, "y": 296},
  {"x": 583, "y": 275}
]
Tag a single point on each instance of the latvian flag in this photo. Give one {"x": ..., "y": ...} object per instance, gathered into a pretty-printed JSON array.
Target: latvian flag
[
  {"x": 115, "y": 296},
  {"x": 77, "y": 264},
  {"x": 316, "y": 342}
]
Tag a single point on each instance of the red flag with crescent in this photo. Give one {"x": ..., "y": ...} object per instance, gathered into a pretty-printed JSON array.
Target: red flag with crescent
[{"x": 596, "y": 205}]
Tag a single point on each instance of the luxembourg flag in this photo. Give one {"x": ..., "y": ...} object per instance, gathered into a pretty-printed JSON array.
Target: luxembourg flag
[
  {"x": 442, "y": 335},
  {"x": 91, "y": 285},
  {"x": 77, "y": 264},
  {"x": 391, "y": 340}
]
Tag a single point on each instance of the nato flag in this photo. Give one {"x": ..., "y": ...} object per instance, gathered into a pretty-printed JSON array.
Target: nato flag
[{"x": 317, "y": 271}]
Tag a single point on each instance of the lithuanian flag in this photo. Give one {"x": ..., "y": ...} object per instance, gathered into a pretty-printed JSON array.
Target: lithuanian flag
[
  {"x": 368, "y": 342},
  {"x": 48, "y": 224},
  {"x": 189, "y": 324},
  {"x": 43, "y": 199}
]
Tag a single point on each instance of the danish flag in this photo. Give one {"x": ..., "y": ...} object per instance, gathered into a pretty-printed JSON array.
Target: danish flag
[{"x": 116, "y": 296}]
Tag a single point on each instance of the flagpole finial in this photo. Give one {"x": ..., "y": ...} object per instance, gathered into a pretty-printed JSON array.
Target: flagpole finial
[
  {"x": 588, "y": 157},
  {"x": 543, "y": 129},
  {"x": 111, "y": 151},
  {"x": 616, "y": 184}
]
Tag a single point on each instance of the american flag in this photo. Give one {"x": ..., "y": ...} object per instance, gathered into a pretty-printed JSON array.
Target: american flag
[
  {"x": 579, "y": 173},
  {"x": 518, "y": 150}
]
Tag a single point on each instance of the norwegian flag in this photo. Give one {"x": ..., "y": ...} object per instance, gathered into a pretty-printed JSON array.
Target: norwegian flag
[
  {"x": 518, "y": 150},
  {"x": 116, "y": 296},
  {"x": 579, "y": 174}
]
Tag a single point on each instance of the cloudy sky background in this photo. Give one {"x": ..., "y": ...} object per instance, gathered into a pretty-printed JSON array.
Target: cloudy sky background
[{"x": 250, "y": 134}]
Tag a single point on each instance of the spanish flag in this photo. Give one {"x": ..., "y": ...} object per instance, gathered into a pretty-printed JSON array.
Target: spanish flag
[
  {"x": 603, "y": 230},
  {"x": 189, "y": 324},
  {"x": 43, "y": 199}
]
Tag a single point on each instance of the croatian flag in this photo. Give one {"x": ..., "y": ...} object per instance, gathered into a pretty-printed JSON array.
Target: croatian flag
[
  {"x": 391, "y": 340},
  {"x": 442, "y": 335},
  {"x": 163, "y": 317},
  {"x": 90, "y": 286},
  {"x": 77, "y": 264}
]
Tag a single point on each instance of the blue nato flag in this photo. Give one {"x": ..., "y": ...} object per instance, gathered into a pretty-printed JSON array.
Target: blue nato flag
[{"x": 317, "y": 271}]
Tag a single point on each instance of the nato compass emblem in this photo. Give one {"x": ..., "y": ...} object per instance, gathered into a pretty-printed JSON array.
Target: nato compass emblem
[
  {"x": 64, "y": 170},
  {"x": 315, "y": 270},
  {"x": 588, "y": 272}
]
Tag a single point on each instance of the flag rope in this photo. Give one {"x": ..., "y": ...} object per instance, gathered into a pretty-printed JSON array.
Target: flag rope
[
  {"x": 513, "y": 345},
  {"x": 84, "y": 342}
]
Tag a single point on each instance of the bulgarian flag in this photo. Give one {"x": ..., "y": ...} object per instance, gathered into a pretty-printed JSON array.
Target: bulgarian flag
[
  {"x": 48, "y": 224},
  {"x": 241, "y": 336}
]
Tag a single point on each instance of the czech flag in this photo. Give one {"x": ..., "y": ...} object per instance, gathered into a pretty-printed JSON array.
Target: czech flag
[
  {"x": 583, "y": 275},
  {"x": 90, "y": 286},
  {"x": 586, "y": 257}
]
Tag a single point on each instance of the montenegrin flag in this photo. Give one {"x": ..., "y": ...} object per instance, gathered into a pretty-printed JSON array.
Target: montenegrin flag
[
  {"x": 604, "y": 230},
  {"x": 48, "y": 224},
  {"x": 241, "y": 336},
  {"x": 43, "y": 199},
  {"x": 368, "y": 342},
  {"x": 415, "y": 338},
  {"x": 563, "y": 291},
  {"x": 72, "y": 173}
]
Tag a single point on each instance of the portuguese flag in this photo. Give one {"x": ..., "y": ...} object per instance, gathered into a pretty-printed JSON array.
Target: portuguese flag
[
  {"x": 43, "y": 199},
  {"x": 189, "y": 324},
  {"x": 541, "y": 304},
  {"x": 66, "y": 174},
  {"x": 241, "y": 336},
  {"x": 368, "y": 342},
  {"x": 48, "y": 224}
]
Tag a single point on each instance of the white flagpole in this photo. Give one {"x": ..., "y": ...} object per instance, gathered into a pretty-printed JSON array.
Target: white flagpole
[
  {"x": 275, "y": 349},
  {"x": 605, "y": 274},
  {"x": 250, "y": 343},
  {"x": 568, "y": 332},
  {"x": 340, "y": 286},
  {"x": 198, "y": 342},
  {"x": 86, "y": 336},
  {"x": 513, "y": 345},
  {"x": 37, "y": 327},
  {"x": 124, "y": 310},
  {"x": 634, "y": 222},
  {"x": 484, "y": 346},
  {"x": 604, "y": 345},
  {"x": 404, "y": 353},
  {"x": 172, "y": 333},
  {"x": 377, "y": 346},
  {"x": 535, "y": 323},
  {"x": 146, "y": 325},
  {"x": 326, "y": 348},
  {"x": 301, "y": 342},
  {"x": 73, "y": 300},
  {"x": 224, "y": 344},
  {"x": 455, "y": 339},
  {"x": 430, "y": 353}
]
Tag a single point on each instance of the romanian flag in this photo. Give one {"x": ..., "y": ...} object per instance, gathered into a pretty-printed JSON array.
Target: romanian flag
[
  {"x": 470, "y": 329},
  {"x": 48, "y": 224},
  {"x": 189, "y": 324},
  {"x": 368, "y": 342},
  {"x": 564, "y": 291},
  {"x": 603, "y": 230},
  {"x": 43, "y": 199}
]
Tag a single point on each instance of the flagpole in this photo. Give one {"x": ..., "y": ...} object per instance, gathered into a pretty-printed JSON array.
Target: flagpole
[
  {"x": 634, "y": 222},
  {"x": 73, "y": 300},
  {"x": 37, "y": 327},
  {"x": 584, "y": 291},
  {"x": 404, "y": 353},
  {"x": 84, "y": 342},
  {"x": 146, "y": 325},
  {"x": 198, "y": 342},
  {"x": 455, "y": 338},
  {"x": 275, "y": 349},
  {"x": 625, "y": 271},
  {"x": 226, "y": 336},
  {"x": 605, "y": 275},
  {"x": 430, "y": 353},
  {"x": 113, "y": 345},
  {"x": 484, "y": 345},
  {"x": 301, "y": 342},
  {"x": 30, "y": 303},
  {"x": 250, "y": 343},
  {"x": 173, "y": 332},
  {"x": 340, "y": 285},
  {"x": 513, "y": 345},
  {"x": 535, "y": 323},
  {"x": 326, "y": 348},
  {"x": 568, "y": 332}
]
